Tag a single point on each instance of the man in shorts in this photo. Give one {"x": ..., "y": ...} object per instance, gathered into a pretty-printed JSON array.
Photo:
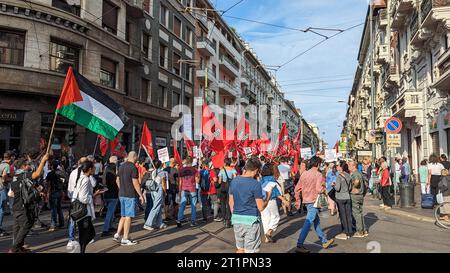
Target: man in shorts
[
  {"x": 246, "y": 201},
  {"x": 129, "y": 190}
]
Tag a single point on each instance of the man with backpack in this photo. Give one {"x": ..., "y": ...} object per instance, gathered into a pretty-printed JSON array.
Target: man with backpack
[
  {"x": 25, "y": 197},
  {"x": 189, "y": 178},
  {"x": 208, "y": 194},
  {"x": 359, "y": 190},
  {"x": 55, "y": 185}
]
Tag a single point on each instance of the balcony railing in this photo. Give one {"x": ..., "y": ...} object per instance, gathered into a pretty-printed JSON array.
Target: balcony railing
[
  {"x": 209, "y": 42},
  {"x": 414, "y": 24},
  {"x": 230, "y": 88},
  {"x": 428, "y": 5},
  {"x": 233, "y": 63}
]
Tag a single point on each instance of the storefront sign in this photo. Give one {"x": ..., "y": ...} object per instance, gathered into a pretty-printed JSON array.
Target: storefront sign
[
  {"x": 11, "y": 116},
  {"x": 161, "y": 142},
  {"x": 393, "y": 140}
]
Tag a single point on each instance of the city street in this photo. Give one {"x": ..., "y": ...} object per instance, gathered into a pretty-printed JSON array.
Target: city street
[{"x": 388, "y": 234}]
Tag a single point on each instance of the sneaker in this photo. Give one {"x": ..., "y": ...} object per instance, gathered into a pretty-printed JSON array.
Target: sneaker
[
  {"x": 105, "y": 234},
  {"x": 70, "y": 245},
  {"x": 366, "y": 233},
  {"x": 341, "y": 236},
  {"x": 91, "y": 242},
  {"x": 290, "y": 213},
  {"x": 218, "y": 219},
  {"x": 301, "y": 249},
  {"x": 116, "y": 238},
  {"x": 25, "y": 249},
  {"x": 178, "y": 224},
  {"x": 358, "y": 235},
  {"x": 387, "y": 208},
  {"x": 193, "y": 224},
  {"x": 163, "y": 226},
  {"x": 382, "y": 206},
  {"x": 52, "y": 228},
  {"x": 328, "y": 243},
  {"x": 128, "y": 242},
  {"x": 148, "y": 228}
]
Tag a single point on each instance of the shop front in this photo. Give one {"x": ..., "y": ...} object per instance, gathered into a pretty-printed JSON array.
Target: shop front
[{"x": 11, "y": 123}]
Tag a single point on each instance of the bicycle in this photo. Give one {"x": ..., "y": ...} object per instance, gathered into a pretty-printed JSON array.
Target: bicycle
[{"x": 437, "y": 216}]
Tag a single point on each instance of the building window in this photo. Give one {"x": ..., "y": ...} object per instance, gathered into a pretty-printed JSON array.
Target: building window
[
  {"x": 148, "y": 6},
  {"x": 187, "y": 36},
  {"x": 163, "y": 55},
  {"x": 176, "y": 64},
  {"x": 127, "y": 83},
  {"x": 68, "y": 6},
  {"x": 11, "y": 47},
  {"x": 177, "y": 27},
  {"x": 163, "y": 97},
  {"x": 109, "y": 17},
  {"x": 187, "y": 72},
  {"x": 108, "y": 73},
  {"x": 175, "y": 99},
  {"x": 145, "y": 90},
  {"x": 187, "y": 101},
  {"x": 214, "y": 70},
  {"x": 435, "y": 143},
  {"x": 146, "y": 41},
  {"x": 62, "y": 56},
  {"x": 163, "y": 14}
]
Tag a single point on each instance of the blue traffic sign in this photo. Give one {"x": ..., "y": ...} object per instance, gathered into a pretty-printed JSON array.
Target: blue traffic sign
[{"x": 393, "y": 126}]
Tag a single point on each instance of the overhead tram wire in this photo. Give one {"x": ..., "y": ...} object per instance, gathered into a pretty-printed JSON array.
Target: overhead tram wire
[
  {"x": 315, "y": 78},
  {"x": 316, "y": 82}
]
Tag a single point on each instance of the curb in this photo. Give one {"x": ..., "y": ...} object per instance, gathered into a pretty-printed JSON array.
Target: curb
[{"x": 405, "y": 214}]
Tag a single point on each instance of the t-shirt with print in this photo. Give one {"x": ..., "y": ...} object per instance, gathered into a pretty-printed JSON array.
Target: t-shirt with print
[
  {"x": 187, "y": 179},
  {"x": 127, "y": 172},
  {"x": 245, "y": 191}
]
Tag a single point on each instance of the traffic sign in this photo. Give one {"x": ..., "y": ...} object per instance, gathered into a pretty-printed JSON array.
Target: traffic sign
[
  {"x": 393, "y": 126},
  {"x": 393, "y": 140}
]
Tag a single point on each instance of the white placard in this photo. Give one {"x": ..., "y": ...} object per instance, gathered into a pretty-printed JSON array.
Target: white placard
[
  {"x": 163, "y": 155},
  {"x": 187, "y": 125},
  {"x": 306, "y": 153},
  {"x": 248, "y": 151},
  {"x": 330, "y": 155},
  {"x": 195, "y": 151}
]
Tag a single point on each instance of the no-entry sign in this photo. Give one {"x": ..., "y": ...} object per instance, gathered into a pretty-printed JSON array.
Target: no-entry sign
[{"x": 393, "y": 126}]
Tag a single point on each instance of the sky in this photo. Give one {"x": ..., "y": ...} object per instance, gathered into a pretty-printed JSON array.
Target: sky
[{"x": 320, "y": 78}]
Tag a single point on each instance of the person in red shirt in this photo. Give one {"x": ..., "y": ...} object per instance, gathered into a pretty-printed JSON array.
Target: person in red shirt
[
  {"x": 386, "y": 186},
  {"x": 189, "y": 177},
  {"x": 208, "y": 194}
]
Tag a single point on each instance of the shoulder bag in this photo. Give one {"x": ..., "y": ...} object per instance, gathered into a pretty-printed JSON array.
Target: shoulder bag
[{"x": 78, "y": 210}]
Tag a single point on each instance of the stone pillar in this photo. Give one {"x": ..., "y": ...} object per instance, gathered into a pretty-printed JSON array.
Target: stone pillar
[{"x": 31, "y": 132}]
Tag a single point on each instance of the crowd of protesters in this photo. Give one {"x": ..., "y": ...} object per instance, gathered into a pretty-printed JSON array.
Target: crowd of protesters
[{"x": 246, "y": 195}]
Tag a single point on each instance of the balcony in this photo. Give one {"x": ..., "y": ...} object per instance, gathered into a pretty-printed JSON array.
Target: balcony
[
  {"x": 245, "y": 101},
  {"x": 245, "y": 81},
  {"x": 206, "y": 47},
  {"x": 400, "y": 12},
  {"x": 389, "y": 75},
  {"x": 135, "y": 8},
  {"x": 443, "y": 64},
  {"x": 202, "y": 17},
  {"x": 438, "y": 9},
  {"x": 201, "y": 74},
  {"x": 229, "y": 88},
  {"x": 228, "y": 65},
  {"x": 383, "y": 18},
  {"x": 383, "y": 54},
  {"x": 408, "y": 104}
]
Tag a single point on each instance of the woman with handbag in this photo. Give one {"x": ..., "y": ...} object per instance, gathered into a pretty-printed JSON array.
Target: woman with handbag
[
  {"x": 386, "y": 183},
  {"x": 82, "y": 206},
  {"x": 343, "y": 187}
]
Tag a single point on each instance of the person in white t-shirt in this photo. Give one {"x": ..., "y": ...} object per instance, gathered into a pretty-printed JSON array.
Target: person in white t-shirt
[
  {"x": 288, "y": 184},
  {"x": 434, "y": 174}
]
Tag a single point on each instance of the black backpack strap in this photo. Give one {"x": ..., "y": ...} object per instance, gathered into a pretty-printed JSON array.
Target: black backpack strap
[{"x": 226, "y": 174}]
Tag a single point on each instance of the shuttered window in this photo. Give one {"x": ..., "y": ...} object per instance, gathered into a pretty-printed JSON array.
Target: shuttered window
[
  {"x": 109, "y": 17},
  {"x": 435, "y": 143}
]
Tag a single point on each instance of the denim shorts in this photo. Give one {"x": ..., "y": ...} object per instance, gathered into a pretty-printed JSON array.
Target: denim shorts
[
  {"x": 248, "y": 237},
  {"x": 127, "y": 206}
]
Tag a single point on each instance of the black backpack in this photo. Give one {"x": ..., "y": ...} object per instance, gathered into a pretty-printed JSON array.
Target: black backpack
[
  {"x": 30, "y": 195},
  {"x": 205, "y": 182}
]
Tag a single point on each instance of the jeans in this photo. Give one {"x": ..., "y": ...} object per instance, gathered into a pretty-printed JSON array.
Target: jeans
[
  {"x": 55, "y": 206},
  {"x": 345, "y": 215},
  {"x": 149, "y": 205},
  {"x": 357, "y": 211},
  {"x": 312, "y": 218},
  {"x": 154, "y": 219},
  {"x": 111, "y": 205},
  {"x": 71, "y": 230},
  {"x": 3, "y": 199},
  {"x": 185, "y": 195}
]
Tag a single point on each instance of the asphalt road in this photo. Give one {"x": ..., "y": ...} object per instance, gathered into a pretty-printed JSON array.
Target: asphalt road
[{"x": 388, "y": 234}]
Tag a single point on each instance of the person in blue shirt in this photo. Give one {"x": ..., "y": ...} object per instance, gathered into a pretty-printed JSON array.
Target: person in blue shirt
[
  {"x": 331, "y": 175},
  {"x": 246, "y": 202}
]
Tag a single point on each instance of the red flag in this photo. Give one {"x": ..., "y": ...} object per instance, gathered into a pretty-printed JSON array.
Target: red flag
[
  {"x": 189, "y": 145},
  {"x": 284, "y": 143},
  {"x": 213, "y": 131},
  {"x": 147, "y": 141},
  {"x": 218, "y": 158},
  {"x": 176, "y": 155},
  {"x": 295, "y": 168},
  {"x": 117, "y": 148},
  {"x": 336, "y": 146},
  {"x": 103, "y": 145},
  {"x": 296, "y": 144}
]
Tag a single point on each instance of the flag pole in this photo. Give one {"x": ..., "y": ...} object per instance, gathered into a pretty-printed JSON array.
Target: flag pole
[
  {"x": 95, "y": 146},
  {"x": 51, "y": 133}
]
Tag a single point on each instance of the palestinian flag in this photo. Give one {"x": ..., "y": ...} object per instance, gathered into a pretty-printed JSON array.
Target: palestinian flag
[{"x": 86, "y": 104}]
